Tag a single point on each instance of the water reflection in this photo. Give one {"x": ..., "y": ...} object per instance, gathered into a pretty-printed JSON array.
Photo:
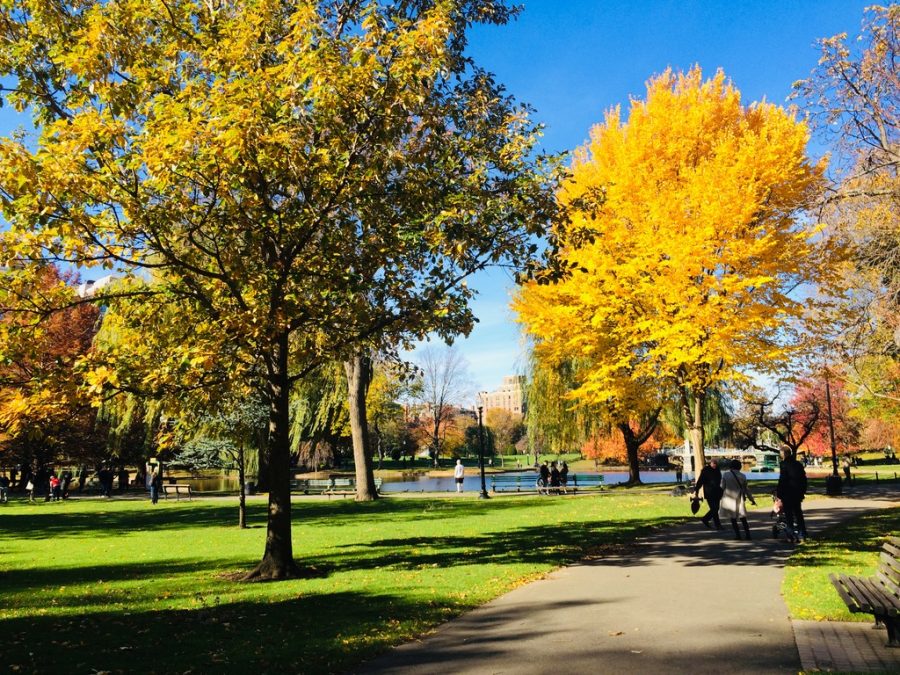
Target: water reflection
[
  {"x": 448, "y": 484},
  {"x": 470, "y": 483}
]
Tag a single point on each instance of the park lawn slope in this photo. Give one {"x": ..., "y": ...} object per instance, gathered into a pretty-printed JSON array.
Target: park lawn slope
[
  {"x": 851, "y": 547},
  {"x": 93, "y": 585}
]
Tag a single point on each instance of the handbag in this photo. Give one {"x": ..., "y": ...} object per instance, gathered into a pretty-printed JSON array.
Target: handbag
[{"x": 695, "y": 505}]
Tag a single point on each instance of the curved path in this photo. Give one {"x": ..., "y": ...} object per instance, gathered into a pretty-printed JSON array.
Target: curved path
[{"x": 686, "y": 599}]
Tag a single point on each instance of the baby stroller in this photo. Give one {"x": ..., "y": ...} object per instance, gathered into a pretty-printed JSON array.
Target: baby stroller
[{"x": 780, "y": 527}]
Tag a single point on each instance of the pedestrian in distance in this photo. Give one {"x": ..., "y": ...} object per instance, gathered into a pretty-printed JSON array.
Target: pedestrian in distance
[
  {"x": 735, "y": 493},
  {"x": 791, "y": 490},
  {"x": 4, "y": 489},
  {"x": 845, "y": 462},
  {"x": 459, "y": 473},
  {"x": 155, "y": 486},
  {"x": 65, "y": 480},
  {"x": 55, "y": 491},
  {"x": 554, "y": 476},
  {"x": 709, "y": 482},
  {"x": 544, "y": 479},
  {"x": 564, "y": 476}
]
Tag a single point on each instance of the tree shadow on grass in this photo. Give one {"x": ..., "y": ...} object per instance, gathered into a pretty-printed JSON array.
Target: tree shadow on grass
[
  {"x": 310, "y": 634},
  {"x": 548, "y": 545},
  {"x": 112, "y": 519},
  {"x": 35, "y": 588}
]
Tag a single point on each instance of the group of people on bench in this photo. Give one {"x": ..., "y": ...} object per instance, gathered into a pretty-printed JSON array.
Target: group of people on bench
[{"x": 553, "y": 477}]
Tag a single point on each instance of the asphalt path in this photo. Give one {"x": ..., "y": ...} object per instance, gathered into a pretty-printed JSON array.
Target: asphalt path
[{"x": 684, "y": 600}]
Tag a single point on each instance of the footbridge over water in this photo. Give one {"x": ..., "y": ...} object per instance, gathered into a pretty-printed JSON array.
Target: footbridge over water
[{"x": 751, "y": 458}]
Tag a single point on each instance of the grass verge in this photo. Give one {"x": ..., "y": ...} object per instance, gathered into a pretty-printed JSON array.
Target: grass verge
[
  {"x": 92, "y": 585},
  {"x": 851, "y": 547}
]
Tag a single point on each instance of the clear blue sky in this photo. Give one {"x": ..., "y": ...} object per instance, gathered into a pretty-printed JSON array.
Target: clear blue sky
[{"x": 574, "y": 59}]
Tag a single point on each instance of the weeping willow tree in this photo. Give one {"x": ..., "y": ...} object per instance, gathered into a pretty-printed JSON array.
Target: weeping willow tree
[
  {"x": 718, "y": 413},
  {"x": 320, "y": 420},
  {"x": 554, "y": 424},
  {"x": 559, "y": 416}
]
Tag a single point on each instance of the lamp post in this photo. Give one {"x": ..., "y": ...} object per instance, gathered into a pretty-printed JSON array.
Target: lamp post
[{"x": 484, "y": 494}]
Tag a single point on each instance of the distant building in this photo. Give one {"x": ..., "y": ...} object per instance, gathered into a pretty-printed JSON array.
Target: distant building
[
  {"x": 509, "y": 397},
  {"x": 88, "y": 288}
]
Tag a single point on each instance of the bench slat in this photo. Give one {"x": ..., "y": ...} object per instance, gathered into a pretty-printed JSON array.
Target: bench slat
[
  {"x": 890, "y": 591},
  {"x": 892, "y": 563},
  {"x": 863, "y": 589},
  {"x": 837, "y": 580}
]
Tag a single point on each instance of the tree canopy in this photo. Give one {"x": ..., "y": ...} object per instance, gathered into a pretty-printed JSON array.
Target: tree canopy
[
  {"x": 686, "y": 246},
  {"x": 302, "y": 179}
]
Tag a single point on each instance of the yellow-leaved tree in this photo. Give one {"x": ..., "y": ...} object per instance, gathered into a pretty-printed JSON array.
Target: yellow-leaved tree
[{"x": 688, "y": 257}]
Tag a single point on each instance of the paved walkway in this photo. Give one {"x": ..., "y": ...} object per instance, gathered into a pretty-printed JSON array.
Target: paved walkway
[
  {"x": 844, "y": 646},
  {"x": 684, "y": 600}
]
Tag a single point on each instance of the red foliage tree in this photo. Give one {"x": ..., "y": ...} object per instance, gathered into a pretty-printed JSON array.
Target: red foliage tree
[{"x": 811, "y": 394}]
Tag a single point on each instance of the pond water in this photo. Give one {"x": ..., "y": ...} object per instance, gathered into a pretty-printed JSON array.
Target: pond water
[
  {"x": 470, "y": 483},
  {"x": 448, "y": 484}
]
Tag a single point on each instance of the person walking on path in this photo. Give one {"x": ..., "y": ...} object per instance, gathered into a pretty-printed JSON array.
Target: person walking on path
[
  {"x": 734, "y": 495},
  {"x": 710, "y": 483},
  {"x": 791, "y": 490},
  {"x": 564, "y": 476},
  {"x": 845, "y": 462},
  {"x": 459, "y": 473},
  {"x": 155, "y": 485}
]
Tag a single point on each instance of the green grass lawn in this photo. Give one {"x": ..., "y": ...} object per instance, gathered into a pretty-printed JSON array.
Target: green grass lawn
[
  {"x": 849, "y": 548},
  {"x": 95, "y": 585}
]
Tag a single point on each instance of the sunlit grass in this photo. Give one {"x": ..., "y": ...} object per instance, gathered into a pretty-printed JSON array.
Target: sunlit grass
[
  {"x": 848, "y": 548},
  {"x": 121, "y": 585}
]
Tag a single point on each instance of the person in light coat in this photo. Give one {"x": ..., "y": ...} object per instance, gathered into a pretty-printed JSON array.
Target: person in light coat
[
  {"x": 459, "y": 473},
  {"x": 735, "y": 492}
]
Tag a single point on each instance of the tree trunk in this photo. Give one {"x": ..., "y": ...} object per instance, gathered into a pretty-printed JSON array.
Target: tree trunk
[
  {"x": 358, "y": 370},
  {"x": 278, "y": 558},
  {"x": 634, "y": 464},
  {"x": 379, "y": 445},
  {"x": 696, "y": 431},
  {"x": 436, "y": 446},
  {"x": 242, "y": 503}
]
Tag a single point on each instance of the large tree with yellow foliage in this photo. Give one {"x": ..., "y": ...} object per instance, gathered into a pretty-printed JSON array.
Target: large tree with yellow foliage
[
  {"x": 689, "y": 260},
  {"x": 306, "y": 180}
]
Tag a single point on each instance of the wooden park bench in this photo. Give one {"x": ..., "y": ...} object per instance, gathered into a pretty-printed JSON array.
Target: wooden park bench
[
  {"x": 178, "y": 489},
  {"x": 520, "y": 483},
  {"x": 329, "y": 486},
  {"x": 502, "y": 482},
  {"x": 878, "y": 595},
  {"x": 586, "y": 481}
]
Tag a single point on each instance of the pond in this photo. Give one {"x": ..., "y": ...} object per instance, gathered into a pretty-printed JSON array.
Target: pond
[
  {"x": 448, "y": 484},
  {"x": 470, "y": 483}
]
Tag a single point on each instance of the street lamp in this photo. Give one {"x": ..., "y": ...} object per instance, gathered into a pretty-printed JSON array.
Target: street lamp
[{"x": 484, "y": 494}]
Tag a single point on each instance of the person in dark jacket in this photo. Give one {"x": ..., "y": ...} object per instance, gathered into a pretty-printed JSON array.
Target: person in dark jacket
[
  {"x": 791, "y": 490},
  {"x": 710, "y": 482},
  {"x": 544, "y": 479}
]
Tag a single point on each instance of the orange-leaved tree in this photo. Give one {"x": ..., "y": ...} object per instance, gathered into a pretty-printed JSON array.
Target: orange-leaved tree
[
  {"x": 44, "y": 413},
  {"x": 686, "y": 253}
]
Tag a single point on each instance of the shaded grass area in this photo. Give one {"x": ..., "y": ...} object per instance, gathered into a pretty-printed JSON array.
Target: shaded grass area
[
  {"x": 95, "y": 585},
  {"x": 848, "y": 548}
]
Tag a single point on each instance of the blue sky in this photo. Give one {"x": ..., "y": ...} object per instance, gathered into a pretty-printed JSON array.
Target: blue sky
[{"x": 574, "y": 59}]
